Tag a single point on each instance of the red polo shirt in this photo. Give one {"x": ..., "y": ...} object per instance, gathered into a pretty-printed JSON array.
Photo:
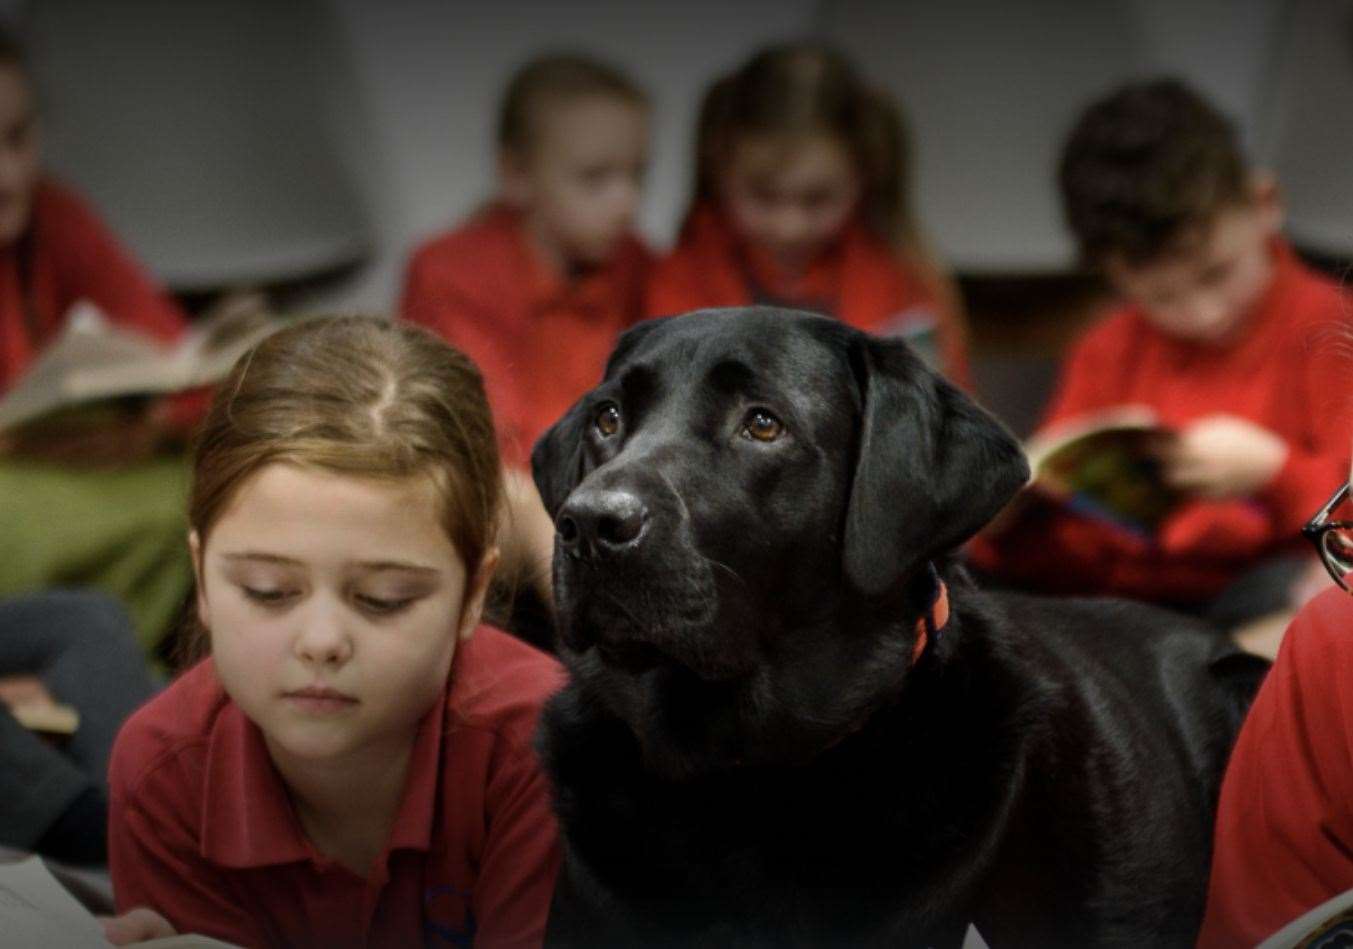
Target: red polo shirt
[
  {"x": 1288, "y": 372},
  {"x": 70, "y": 255},
  {"x": 540, "y": 340},
  {"x": 201, "y": 827},
  {"x": 1284, "y": 841},
  {"x": 860, "y": 279}
]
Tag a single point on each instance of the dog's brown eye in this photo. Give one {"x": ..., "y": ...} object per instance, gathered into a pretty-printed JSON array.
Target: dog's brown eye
[
  {"x": 608, "y": 419},
  {"x": 762, "y": 426}
]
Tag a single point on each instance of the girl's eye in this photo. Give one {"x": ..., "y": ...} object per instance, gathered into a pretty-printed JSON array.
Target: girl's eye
[
  {"x": 267, "y": 597},
  {"x": 762, "y": 426},
  {"x": 381, "y": 607},
  {"x": 608, "y": 419}
]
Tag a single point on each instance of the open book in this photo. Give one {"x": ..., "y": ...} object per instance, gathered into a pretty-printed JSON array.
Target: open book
[
  {"x": 93, "y": 359},
  {"x": 1105, "y": 465},
  {"x": 36, "y": 910}
]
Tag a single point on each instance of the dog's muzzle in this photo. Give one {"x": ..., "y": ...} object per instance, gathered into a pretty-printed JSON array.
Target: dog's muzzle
[{"x": 600, "y": 523}]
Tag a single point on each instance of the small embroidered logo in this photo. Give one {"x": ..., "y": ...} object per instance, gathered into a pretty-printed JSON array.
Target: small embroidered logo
[{"x": 447, "y": 918}]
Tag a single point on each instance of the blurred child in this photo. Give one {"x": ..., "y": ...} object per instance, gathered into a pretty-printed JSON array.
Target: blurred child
[
  {"x": 353, "y": 763},
  {"x": 536, "y": 286},
  {"x": 1220, "y": 334},
  {"x": 61, "y": 524},
  {"x": 801, "y": 200}
]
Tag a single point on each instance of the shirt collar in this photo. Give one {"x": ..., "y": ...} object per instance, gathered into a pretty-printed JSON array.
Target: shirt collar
[{"x": 247, "y": 816}]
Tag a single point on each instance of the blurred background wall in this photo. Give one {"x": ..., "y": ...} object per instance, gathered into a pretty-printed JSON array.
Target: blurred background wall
[{"x": 310, "y": 144}]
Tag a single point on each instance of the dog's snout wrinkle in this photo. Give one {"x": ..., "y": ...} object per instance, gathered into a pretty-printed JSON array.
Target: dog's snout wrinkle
[{"x": 599, "y": 522}]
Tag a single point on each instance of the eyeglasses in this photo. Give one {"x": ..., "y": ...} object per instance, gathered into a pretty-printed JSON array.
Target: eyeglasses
[{"x": 1333, "y": 539}]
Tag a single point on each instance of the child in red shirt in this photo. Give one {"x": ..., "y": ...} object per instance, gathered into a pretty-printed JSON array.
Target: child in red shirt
[
  {"x": 1284, "y": 838},
  {"x": 537, "y": 286},
  {"x": 65, "y": 519},
  {"x": 1220, "y": 335},
  {"x": 800, "y": 201},
  {"x": 353, "y": 765}
]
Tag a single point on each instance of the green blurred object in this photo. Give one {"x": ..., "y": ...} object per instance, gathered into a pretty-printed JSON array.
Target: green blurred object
[{"x": 121, "y": 530}]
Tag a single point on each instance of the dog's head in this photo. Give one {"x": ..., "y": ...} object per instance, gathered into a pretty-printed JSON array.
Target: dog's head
[{"x": 743, "y": 508}]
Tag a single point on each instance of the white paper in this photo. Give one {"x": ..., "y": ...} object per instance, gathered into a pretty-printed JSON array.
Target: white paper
[{"x": 36, "y": 910}]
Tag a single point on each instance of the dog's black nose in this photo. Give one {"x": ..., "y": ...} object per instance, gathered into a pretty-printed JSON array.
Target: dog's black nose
[{"x": 600, "y": 522}]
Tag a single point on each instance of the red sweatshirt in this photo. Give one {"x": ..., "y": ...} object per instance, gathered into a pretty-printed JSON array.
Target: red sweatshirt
[
  {"x": 1284, "y": 841},
  {"x": 540, "y": 341},
  {"x": 68, "y": 255},
  {"x": 860, "y": 280},
  {"x": 1287, "y": 373},
  {"x": 201, "y": 827}
]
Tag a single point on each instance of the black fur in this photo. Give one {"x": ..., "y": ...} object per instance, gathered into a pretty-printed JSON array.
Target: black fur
[{"x": 745, "y": 753}]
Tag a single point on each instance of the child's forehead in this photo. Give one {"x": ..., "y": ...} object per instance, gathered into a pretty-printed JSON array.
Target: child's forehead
[
  {"x": 565, "y": 114},
  {"x": 789, "y": 156},
  {"x": 1196, "y": 245},
  {"x": 280, "y": 490}
]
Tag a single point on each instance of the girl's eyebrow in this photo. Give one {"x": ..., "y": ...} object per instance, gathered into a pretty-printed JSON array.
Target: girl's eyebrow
[
  {"x": 396, "y": 565},
  {"x": 258, "y": 555},
  {"x": 261, "y": 557}
]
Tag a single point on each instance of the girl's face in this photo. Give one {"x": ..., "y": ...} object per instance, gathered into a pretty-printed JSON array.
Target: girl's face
[
  {"x": 581, "y": 182},
  {"x": 335, "y": 604},
  {"x": 790, "y": 197},
  {"x": 18, "y": 153}
]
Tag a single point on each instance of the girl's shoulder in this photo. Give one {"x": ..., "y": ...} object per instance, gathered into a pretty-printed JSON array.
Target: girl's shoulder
[
  {"x": 489, "y": 236},
  {"x": 63, "y": 214},
  {"x": 171, "y": 731}
]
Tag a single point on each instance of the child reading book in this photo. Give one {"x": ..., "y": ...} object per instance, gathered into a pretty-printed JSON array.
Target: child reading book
[
  {"x": 537, "y": 285},
  {"x": 801, "y": 200},
  {"x": 62, "y": 524},
  {"x": 1219, "y": 335},
  {"x": 353, "y": 763}
]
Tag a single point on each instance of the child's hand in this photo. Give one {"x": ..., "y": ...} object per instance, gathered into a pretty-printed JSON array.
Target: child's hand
[
  {"x": 138, "y": 925},
  {"x": 1223, "y": 456}
]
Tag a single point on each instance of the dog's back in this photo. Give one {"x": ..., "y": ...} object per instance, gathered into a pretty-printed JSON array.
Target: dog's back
[{"x": 1142, "y": 707}]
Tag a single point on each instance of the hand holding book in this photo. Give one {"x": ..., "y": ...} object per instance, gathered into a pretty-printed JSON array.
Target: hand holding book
[
  {"x": 1223, "y": 456},
  {"x": 1124, "y": 466}
]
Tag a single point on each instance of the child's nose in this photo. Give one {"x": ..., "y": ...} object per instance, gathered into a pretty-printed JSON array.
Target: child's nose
[{"x": 323, "y": 636}]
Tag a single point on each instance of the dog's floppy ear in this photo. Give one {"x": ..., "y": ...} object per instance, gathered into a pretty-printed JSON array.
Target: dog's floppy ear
[
  {"x": 932, "y": 467},
  {"x": 557, "y": 458}
]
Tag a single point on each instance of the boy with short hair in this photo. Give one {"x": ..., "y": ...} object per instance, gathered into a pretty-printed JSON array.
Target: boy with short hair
[
  {"x": 1222, "y": 332},
  {"x": 537, "y": 285}
]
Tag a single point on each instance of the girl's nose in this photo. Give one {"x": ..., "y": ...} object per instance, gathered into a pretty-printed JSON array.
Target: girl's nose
[{"x": 323, "y": 637}]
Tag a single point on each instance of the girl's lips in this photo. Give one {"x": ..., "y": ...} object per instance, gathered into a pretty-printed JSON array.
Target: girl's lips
[{"x": 319, "y": 700}]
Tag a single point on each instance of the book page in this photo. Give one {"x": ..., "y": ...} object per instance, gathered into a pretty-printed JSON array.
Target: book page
[
  {"x": 88, "y": 341},
  {"x": 37, "y": 910},
  {"x": 94, "y": 359}
]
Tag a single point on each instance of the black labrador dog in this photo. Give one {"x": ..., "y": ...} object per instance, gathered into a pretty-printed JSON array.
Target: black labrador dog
[{"x": 774, "y": 735}]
